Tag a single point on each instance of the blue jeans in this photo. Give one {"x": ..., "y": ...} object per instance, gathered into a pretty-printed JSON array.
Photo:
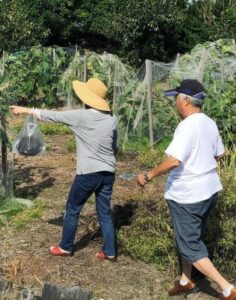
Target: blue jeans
[{"x": 82, "y": 188}]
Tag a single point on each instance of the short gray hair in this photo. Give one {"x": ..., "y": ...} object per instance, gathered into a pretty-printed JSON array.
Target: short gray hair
[{"x": 194, "y": 101}]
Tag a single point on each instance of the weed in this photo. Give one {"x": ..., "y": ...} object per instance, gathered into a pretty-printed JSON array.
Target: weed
[
  {"x": 27, "y": 215},
  {"x": 8, "y": 209},
  {"x": 153, "y": 156},
  {"x": 71, "y": 146},
  {"x": 150, "y": 235}
]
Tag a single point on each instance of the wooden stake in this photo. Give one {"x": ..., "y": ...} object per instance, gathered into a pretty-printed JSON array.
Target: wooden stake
[{"x": 149, "y": 98}]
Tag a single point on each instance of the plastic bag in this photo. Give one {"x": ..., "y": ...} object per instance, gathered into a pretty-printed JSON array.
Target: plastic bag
[{"x": 30, "y": 140}]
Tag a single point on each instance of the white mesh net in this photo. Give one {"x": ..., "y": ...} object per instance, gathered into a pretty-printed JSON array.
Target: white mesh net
[
  {"x": 145, "y": 116},
  {"x": 213, "y": 64}
]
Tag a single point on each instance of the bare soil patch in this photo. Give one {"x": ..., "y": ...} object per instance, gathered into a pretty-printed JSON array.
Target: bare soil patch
[{"x": 24, "y": 256}]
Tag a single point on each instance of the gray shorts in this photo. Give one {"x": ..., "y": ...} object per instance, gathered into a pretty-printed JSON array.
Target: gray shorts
[{"x": 189, "y": 222}]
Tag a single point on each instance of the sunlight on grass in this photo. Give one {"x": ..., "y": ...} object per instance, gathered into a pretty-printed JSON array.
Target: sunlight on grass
[
  {"x": 8, "y": 209},
  {"x": 17, "y": 214},
  {"x": 27, "y": 215}
]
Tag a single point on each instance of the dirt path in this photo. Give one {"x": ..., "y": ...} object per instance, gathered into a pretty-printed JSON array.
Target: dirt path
[{"x": 24, "y": 252}]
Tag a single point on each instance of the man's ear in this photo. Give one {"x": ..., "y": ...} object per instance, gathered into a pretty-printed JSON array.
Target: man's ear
[{"x": 187, "y": 101}]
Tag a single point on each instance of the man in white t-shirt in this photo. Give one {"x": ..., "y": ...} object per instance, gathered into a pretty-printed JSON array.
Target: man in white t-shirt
[{"x": 192, "y": 186}]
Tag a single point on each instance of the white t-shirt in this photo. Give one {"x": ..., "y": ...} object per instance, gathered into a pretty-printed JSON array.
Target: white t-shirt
[{"x": 195, "y": 144}]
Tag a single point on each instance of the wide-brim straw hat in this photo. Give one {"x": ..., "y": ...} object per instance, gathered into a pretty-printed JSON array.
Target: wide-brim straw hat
[{"x": 93, "y": 93}]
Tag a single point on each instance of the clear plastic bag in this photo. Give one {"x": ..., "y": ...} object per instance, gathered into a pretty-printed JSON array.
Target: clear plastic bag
[{"x": 30, "y": 140}]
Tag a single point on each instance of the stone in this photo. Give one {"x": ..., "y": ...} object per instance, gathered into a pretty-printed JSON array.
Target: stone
[
  {"x": 27, "y": 294},
  {"x": 3, "y": 287},
  {"x": 26, "y": 202},
  {"x": 52, "y": 292}
]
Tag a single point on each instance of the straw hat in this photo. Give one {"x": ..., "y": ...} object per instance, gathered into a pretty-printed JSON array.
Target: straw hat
[{"x": 93, "y": 93}]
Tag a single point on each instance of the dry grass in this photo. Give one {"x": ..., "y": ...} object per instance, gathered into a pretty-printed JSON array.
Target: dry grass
[{"x": 11, "y": 270}]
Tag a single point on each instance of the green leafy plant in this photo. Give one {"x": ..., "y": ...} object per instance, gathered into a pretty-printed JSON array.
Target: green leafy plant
[
  {"x": 30, "y": 77},
  {"x": 47, "y": 128}
]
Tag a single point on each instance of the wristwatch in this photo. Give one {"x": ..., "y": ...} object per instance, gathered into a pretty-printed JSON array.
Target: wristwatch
[{"x": 147, "y": 179}]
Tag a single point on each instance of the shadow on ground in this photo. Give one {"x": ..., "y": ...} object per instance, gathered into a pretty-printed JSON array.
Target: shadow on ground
[
  {"x": 32, "y": 187},
  {"x": 206, "y": 288},
  {"x": 121, "y": 214}
]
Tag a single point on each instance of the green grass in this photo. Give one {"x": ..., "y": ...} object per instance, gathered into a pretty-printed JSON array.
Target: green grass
[
  {"x": 48, "y": 128},
  {"x": 16, "y": 214},
  {"x": 91, "y": 199},
  {"x": 28, "y": 214},
  {"x": 8, "y": 209},
  {"x": 71, "y": 146}
]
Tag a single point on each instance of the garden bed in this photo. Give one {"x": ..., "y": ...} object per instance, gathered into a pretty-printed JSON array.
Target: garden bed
[{"x": 24, "y": 257}]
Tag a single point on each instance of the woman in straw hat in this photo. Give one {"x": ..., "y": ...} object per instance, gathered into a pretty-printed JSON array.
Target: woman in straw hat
[{"x": 96, "y": 135}]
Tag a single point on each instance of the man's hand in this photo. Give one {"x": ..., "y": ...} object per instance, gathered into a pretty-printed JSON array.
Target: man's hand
[
  {"x": 219, "y": 157},
  {"x": 18, "y": 110},
  {"x": 141, "y": 180},
  {"x": 168, "y": 164}
]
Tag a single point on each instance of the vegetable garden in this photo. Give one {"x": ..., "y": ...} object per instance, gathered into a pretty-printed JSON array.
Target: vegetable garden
[{"x": 41, "y": 77}]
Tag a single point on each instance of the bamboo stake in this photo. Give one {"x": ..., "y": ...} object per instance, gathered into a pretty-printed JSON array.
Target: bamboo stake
[{"x": 149, "y": 99}]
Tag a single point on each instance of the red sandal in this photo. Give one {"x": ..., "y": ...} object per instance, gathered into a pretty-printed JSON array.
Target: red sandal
[
  {"x": 102, "y": 256},
  {"x": 57, "y": 251}
]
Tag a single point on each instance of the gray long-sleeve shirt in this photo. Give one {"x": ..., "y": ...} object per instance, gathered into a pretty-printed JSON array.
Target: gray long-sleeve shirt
[{"x": 96, "y": 137}]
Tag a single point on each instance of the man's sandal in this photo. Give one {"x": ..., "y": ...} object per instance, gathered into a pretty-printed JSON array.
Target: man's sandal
[
  {"x": 102, "y": 256},
  {"x": 57, "y": 251},
  {"x": 190, "y": 287}
]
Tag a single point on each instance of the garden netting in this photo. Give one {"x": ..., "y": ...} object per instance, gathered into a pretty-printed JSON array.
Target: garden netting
[
  {"x": 42, "y": 77},
  {"x": 136, "y": 96}
]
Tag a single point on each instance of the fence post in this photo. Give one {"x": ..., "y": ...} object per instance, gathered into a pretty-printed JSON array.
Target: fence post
[
  {"x": 148, "y": 78},
  {"x": 4, "y": 151},
  {"x": 85, "y": 68},
  {"x": 54, "y": 55},
  {"x": 115, "y": 85}
]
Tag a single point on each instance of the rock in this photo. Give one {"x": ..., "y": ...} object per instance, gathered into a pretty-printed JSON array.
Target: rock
[
  {"x": 3, "y": 287},
  {"x": 26, "y": 202},
  {"x": 27, "y": 294},
  {"x": 52, "y": 292}
]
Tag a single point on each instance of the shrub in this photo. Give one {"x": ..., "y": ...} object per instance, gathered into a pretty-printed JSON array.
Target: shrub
[
  {"x": 221, "y": 237},
  {"x": 150, "y": 236},
  {"x": 153, "y": 157},
  {"x": 48, "y": 128}
]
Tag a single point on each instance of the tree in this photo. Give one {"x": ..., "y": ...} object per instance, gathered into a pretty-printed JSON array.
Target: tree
[
  {"x": 18, "y": 28},
  {"x": 207, "y": 20},
  {"x": 25, "y": 23},
  {"x": 148, "y": 27}
]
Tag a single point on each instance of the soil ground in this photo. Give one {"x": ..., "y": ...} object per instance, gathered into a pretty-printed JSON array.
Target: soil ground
[{"x": 24, "y": 253}]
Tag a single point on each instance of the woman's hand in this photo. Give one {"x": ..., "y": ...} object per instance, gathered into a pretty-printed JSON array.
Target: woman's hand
[{"x": 19, "y": 110}]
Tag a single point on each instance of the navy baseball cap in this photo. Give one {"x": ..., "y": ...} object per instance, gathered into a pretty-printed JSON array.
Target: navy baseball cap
[{"x": 190, "y": 87}]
